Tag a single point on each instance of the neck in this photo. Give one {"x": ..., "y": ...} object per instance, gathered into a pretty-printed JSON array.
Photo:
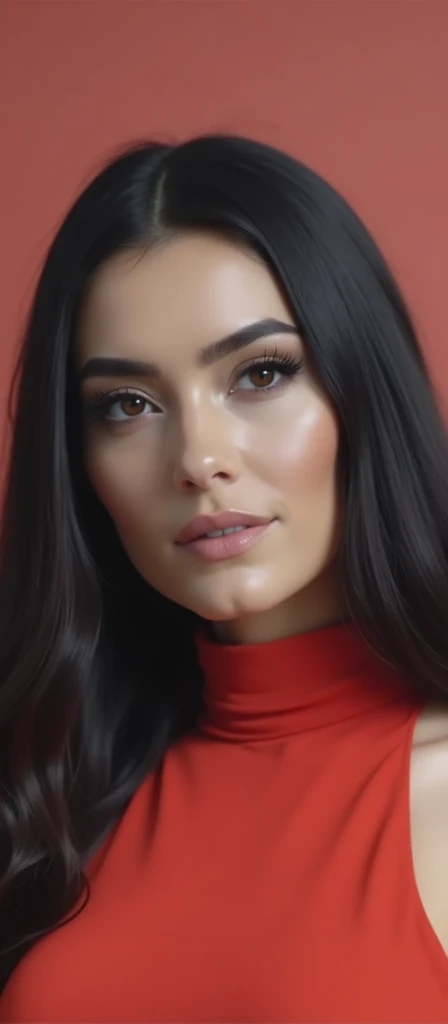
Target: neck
[{"x": 319, "y": 678}]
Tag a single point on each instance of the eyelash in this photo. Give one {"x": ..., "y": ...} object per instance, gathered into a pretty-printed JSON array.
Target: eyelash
[{"x": 102, "y": 401}]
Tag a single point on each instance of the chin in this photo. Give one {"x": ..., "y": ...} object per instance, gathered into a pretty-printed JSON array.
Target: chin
[{"x": 236, "y": 604}]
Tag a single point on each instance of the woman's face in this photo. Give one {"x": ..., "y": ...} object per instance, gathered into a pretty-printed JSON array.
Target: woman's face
[{"x": 195, "y": 430}]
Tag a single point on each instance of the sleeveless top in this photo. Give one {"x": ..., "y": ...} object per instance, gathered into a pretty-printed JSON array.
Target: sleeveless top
[{"x": 264, "y": 872}]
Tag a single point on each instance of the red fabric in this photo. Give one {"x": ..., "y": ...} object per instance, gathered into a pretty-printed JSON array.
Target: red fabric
[{"x": 264, "y": 873}]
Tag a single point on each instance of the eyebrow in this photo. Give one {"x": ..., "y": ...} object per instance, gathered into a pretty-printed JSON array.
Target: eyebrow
[{"x": 120, "y": 367}]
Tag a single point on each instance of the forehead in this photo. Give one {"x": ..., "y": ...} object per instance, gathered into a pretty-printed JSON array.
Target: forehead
[{"x": 191, "y": 289}]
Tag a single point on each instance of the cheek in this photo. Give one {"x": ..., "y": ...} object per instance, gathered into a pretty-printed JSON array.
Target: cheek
[
  {"x": 299, "y": 455},
  {"x": 117, "y": 474},
  {"x": 294, "y": 455}
]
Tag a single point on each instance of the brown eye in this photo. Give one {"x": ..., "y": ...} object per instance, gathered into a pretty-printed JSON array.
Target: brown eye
[
  {"x": 121, "y": 407},
  {"x": 261, "y": 376},
  {"x": 270, "y": 373},
  {"x": 132, "y": 405}
]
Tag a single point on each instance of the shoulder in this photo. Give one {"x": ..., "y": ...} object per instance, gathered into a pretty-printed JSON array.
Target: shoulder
[
  {"x": 429, "y": 765},
  {"x": 428, "y": 807},
  {"x": 432, "y": 726}
]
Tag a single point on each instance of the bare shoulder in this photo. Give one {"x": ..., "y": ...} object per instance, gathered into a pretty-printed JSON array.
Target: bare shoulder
[
  {"x": 432, "y": 726},
  {"x": 429, "y": 815},
  {"x": 429, "y": 766}
]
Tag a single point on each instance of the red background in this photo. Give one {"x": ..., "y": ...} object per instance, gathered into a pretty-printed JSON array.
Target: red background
[{"x": 359, "y": 90}]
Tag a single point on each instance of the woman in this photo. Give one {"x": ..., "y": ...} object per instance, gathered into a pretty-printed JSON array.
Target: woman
[{"x": 224, "y": 613}]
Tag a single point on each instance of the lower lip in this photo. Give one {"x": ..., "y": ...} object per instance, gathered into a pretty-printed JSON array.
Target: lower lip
[{"x": 213, "y": 549}]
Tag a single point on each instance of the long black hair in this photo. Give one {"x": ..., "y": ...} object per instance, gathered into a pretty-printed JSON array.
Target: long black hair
[{"x": 82, "y": 720}]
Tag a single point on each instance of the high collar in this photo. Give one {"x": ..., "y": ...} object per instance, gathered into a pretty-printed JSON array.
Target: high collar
[{"x": 302, "y": 682}]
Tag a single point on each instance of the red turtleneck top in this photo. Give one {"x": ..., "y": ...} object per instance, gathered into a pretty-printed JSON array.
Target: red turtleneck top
[{"x": 264, "y": 873}]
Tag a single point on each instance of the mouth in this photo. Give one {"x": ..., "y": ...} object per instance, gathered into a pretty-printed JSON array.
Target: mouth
[{"x": 227, "y": 542}]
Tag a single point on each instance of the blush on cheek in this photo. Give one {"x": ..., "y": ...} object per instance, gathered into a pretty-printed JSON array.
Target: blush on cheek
[{"x": 303, "y": 454}]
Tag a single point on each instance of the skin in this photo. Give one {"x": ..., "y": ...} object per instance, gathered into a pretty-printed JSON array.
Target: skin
[
  {"x": 213, "y": 442},
  {"x": 429, "y": 816},
  {"x": 204, "y": 438}
]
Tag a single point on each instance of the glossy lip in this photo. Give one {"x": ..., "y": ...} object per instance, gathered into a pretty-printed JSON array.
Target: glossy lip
[
  {"x": 221, "y": 521},
  {"x": 227, "y": 545}
]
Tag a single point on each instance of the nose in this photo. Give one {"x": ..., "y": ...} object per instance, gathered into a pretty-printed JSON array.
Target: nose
[{"x": 205, "y": 451}]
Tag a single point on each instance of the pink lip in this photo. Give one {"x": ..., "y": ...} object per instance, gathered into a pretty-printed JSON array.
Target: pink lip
[
  {"x": 213, "y": 549},
  {"x": 221, "y": 521}
]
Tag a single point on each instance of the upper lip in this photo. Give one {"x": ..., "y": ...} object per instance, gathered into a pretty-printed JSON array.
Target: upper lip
[{"x": 220, "y": 521}]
